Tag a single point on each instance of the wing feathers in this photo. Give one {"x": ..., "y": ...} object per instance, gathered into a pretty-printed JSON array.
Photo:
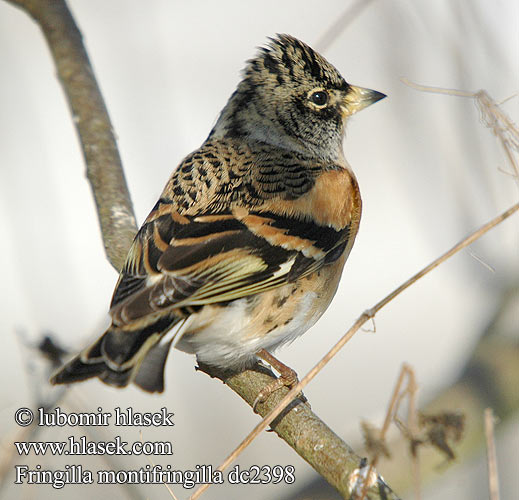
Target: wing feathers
[
  {"x": 183, "y": 260},
  {"x": 217, "y": 258}
]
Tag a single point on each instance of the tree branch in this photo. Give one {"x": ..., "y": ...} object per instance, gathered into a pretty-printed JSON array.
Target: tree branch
[
  {"x": 303, "y": 431},
  {"x": 104, "y": 168}
]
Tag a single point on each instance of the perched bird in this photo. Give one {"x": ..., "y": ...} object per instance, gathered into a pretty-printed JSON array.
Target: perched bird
[{"x": 244, "y": 250}]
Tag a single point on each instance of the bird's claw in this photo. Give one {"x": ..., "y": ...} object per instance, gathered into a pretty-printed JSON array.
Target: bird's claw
[{"x": 287, "y": 379}]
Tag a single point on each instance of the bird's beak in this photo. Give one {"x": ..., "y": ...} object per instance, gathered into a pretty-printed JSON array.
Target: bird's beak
[{"x": 359, "y": 98}]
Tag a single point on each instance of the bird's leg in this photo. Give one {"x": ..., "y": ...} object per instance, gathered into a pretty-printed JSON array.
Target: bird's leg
[{"x": 287, "y": 377}]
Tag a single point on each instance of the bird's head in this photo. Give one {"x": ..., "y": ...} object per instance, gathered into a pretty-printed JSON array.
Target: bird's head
[{"x": 293, "y": 98}]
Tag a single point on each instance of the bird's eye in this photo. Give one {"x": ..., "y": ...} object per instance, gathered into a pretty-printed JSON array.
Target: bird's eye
[{"x": 319, "y": 98}]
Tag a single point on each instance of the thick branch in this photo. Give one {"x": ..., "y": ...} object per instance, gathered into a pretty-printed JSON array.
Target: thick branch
[
  {"x": 104, "y": 168},
  {"x": 309, "y": 436}
]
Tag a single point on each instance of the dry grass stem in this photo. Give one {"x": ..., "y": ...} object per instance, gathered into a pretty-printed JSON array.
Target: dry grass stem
[
  {"x": 399, "y": 393},
  {"x": 482, "y": 262},
  {"x": 493, "y": 477},
  {"x": 340, "y": 24},
  {"x": 492, "y": 116},
  {"x": 412, "y": 421},
  {"x": 153, "y": 465}
]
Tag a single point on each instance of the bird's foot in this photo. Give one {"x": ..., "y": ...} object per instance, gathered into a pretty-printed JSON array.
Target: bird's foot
[{"x": 287, "y": 378}]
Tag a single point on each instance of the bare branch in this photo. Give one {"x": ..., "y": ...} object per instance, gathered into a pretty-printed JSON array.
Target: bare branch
[{"x": 104, "y": 168}]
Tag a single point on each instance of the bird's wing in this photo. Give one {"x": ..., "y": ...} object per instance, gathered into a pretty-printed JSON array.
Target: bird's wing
[{"x": 178, "y": 260}]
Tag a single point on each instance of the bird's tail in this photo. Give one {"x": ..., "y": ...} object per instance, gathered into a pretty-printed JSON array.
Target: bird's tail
[{"x": 121, "y": 356}]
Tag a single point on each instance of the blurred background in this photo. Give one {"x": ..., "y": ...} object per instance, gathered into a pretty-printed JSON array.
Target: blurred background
[{"x": 429, "y": 170}]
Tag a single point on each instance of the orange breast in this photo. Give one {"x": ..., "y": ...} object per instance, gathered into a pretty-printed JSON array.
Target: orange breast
[{"x": 333, "y": 201}]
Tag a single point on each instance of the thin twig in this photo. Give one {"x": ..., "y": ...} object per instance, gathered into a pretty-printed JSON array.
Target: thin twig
[
  {"x": 365, "y": 316},
  {"x": 153, "y": 465},
  {"x": 395, "y": 399},
  {"x": 482, "y": 262},
  {"x": 492, "y": 116},
  {"x": 437, "y": 90},
  {"x": 39, "y": 398},
  {"x": 340, "y": 24},
  {"x": 394, "y": 404},
  {"x": 104, "y": 168},
  {"x": 8, "y": 450},
  {"x": 412, "y": 420},
  {"x": 502, "y": 127},
  {"x": 455, "y": 249},
  {"x": 97, "y": 434},
  {"x": 493, "y": 477}
]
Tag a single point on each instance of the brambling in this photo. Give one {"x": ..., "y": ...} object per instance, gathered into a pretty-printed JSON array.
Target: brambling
[{"x": 244, "y": 250}]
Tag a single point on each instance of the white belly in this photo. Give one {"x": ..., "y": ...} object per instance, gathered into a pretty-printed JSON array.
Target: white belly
[{"x": 229, "y": 336}]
